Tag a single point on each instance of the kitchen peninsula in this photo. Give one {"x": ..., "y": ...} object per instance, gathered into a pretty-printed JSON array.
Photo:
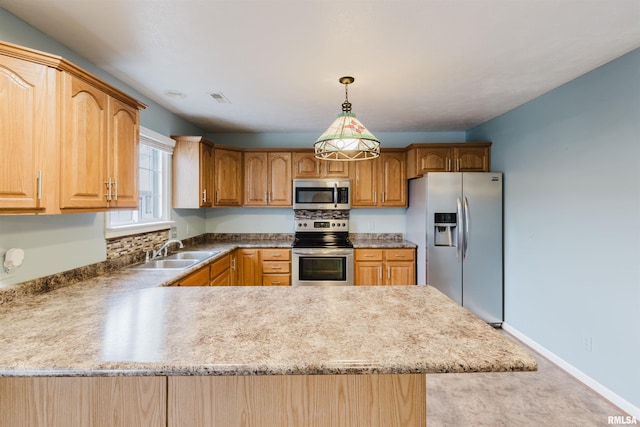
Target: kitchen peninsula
[{"x": 260, "y": 356}]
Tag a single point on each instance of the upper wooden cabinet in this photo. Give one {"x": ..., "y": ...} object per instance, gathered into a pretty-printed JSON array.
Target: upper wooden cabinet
[
  {"x": 447, "y": 157},
  {"x": 267, "y": 178},
  {"x": 228, "y": 177},
  {"x": 306, "y": 165},
  {"x": 74, "y": 145},
  {"x": 193, "y": 172},
  {"x": 380, "y": 182}
]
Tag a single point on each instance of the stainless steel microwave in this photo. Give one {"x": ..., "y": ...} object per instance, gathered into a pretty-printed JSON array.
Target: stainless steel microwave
[{"x": 321, "y": 194}]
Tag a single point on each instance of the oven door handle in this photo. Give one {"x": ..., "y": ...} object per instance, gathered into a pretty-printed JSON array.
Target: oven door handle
[
  {"x": 322, "y": 252},
  {"x": 335, "y": 195}
]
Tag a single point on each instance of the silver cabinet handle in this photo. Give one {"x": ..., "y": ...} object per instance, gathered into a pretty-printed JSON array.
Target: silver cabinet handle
[
  {"x": 39, "y": 179},
  {"x": 449, "y": 167},
  {"x": 276, "y": 268},
  {"x": 335, "y": 194},
  {"x": 388, "y": 272},
  {"x": 400, "y": 255},
  {"x": 375, "y": 197},
  {"x": 383, "y": 197},
  {"x": 380, "y": 272},
  {"x": 458, "y": 165},
  {"x": 204, "y": 195},
  {"x": 276, "y": 255}
]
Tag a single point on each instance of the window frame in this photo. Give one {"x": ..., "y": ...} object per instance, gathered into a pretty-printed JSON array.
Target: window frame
[{"x": 165, "y": 144}]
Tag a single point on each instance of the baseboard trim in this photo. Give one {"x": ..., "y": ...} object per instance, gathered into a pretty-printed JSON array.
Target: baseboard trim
[{"x": 603, "y": 391}]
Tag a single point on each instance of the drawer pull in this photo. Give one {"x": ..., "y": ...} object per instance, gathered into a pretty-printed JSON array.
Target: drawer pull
[
  {"x": 276, "y": 268},
  {"x": 369, "y": 255},
  {"x": 275, "y": 283},
  {"x": 400, "y": 255},
  {"x": 276, "y": 255}
]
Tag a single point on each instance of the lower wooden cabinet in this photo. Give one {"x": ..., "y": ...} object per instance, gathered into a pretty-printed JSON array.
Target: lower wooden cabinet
[
  {"x": 276, "y": 267},
  {"x": 218, "y": 273},
  {"x": 249, "y": 270},
  {"x": 385, "y": 267},
  {"x": 83, "y": 401}
]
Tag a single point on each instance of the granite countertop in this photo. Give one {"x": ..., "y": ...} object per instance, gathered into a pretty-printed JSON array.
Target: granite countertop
[{"x": 126, "y": 323}]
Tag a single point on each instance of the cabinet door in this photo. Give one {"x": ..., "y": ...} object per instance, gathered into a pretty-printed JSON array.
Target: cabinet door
[
  {"x": 228, "y": 177},
  {"x": 471, "y": 159},
  {"x": 280, "y": 181},
  {"x": 123, "y": 154},
  {"x": 249, "y": 271},
  {"x": 83, "y": 161},
  {"x": 364, "y": 183},
  {"x": 333, "y": 169},
  {"x": 400, "y": 273},
  {"x": 434, "y": 159},
  {"x": 25, "y": 105},
  {"x": 305, "y": 165},
  {"x": 368, "y": 273},
  {"x": 255, "y": 179},
  {"x": 206, "y": 175},
  {"x": 393, "y": 180}
]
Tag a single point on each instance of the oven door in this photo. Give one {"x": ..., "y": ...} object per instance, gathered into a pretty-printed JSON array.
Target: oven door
[{"x": 322, "y": 267}]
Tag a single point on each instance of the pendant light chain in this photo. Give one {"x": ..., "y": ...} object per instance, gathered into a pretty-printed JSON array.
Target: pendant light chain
[{"x": 346, "y": 105}]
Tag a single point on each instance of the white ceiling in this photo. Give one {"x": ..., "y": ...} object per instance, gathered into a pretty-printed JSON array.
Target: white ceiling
[{"x": 418, "y": 65}]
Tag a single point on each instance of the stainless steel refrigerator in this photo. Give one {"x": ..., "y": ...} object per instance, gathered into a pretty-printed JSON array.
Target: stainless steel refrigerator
[{"x": 455, "y": 218}]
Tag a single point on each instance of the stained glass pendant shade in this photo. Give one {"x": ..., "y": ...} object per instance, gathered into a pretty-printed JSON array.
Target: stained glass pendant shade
[{"x": 347, "y": 139}]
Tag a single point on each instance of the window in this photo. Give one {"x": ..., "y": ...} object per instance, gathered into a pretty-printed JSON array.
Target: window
[{"x": 154, "y": 187}]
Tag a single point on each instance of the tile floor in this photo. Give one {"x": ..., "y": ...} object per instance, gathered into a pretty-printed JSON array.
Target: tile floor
[{"x": 549, "y": 397}]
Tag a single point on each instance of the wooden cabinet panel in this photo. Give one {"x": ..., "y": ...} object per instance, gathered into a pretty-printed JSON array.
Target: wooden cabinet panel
[
  {"x": 447, "y": 157},
  {"x": 297, "y": 400},
  {"x": 381, "y": 182},
  {"x": 124, "y": 141},
  {"x": 306, "y": 165},
  {"x": 280, "y": 181},
  {"x": 228, "y": 177},
  {"x": 197, "y": 278},
  {"x": 193, "y": 172},
  {"x": 471, "y": 158},
  {"x": 385, "y": 266},
  {"x": 276, "y": 267},
  {"x": 220, "y": 270},
  {"x": 83, "y": 401},
  {"x": 267, "y": 177},
  {"x": 28, "y": 164},
  {"x": 84, "y": 146},
  {"x": 249, "y": 267}
]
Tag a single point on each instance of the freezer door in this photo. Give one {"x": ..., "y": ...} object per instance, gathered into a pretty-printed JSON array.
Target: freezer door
[
  {"x": 482, "y": 249},
  {"x": 444, "y": 263}
]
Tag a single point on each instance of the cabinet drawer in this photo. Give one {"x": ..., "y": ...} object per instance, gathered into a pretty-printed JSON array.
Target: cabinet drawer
[
  {"x": 368, "y": 254},
  {"x": 276, "y": 280},
  {"x": 220, "y": 266},
  {"x": 277, "y": 267},
  {"x": 400, "y": 254},
  {"x": 198, "y": 278},
  {"x": 276, "y": 254}
]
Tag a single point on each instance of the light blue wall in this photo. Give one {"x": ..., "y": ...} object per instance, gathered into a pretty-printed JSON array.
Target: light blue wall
[
  {"x": 57, "y": 243},
  {"x": 572, "y": 221},
  {"x": 306, "y": 139}
]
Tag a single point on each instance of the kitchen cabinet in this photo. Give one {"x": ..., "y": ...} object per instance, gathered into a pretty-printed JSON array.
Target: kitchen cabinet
[
  {"x": 447, "y": 157},
  {"x": 193, "y": 172},
  {"x": 385, "y": 267},
  {"x": 28, "y": 172},
  {"x": 99, "y": 151},
  {"x": 267, "y": 178},
  {"x": 218, "y": 273},
  {"x": 276, "y": 267},
  {"x": 249, "y": 268},
  {"x": 306, "y": 165},
  {"x": 380, "y": 182},
  {"x": 228, "y": 177},
  {"x": 74, "y": 147}
]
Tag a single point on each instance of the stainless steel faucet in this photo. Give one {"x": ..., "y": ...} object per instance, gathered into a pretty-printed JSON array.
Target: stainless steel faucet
[{"x": 165, "y": 247}]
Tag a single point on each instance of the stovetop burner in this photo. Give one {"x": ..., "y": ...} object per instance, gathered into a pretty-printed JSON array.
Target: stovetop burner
[{"x": 322, "y": 240}]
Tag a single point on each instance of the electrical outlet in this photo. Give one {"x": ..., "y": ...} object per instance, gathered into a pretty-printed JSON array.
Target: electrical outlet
[{"x": 174, "y": 232}]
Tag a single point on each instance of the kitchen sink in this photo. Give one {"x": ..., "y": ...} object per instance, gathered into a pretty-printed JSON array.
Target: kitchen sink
[
  {"x": 165, "y": 264},
  {"x": 190, "y": 255}
]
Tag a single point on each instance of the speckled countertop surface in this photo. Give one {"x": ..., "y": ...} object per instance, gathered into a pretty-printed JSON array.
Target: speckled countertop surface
[{"x": 126, "y": 323}]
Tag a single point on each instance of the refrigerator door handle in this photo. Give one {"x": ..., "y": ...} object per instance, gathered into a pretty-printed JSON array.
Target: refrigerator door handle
[
  {"x": 459, "y": 227},
  {"x": 466, "y": 228}
]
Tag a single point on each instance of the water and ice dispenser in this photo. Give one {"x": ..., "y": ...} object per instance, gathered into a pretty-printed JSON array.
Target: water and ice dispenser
[{"x": 445, "y": 229}]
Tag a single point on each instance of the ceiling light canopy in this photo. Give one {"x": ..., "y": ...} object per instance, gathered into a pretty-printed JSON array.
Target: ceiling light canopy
[{"x": 347, "y": 139}]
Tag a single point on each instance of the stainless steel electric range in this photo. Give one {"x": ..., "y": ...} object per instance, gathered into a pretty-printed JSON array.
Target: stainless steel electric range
[{"x": 322, "y": 254}]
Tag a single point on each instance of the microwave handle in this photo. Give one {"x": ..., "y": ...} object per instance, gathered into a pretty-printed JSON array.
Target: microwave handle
[{"x": 335, "y": 194}]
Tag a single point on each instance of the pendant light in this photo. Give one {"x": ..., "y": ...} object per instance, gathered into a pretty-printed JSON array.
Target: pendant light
[{"x": 347, "y": 139}]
